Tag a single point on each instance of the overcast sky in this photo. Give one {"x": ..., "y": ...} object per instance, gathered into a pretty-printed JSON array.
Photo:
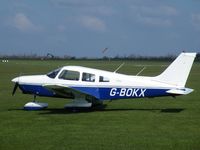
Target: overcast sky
[{"x": 85, "y": 27}]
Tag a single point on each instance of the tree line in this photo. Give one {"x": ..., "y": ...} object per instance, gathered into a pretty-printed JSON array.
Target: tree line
[{"x": 66, "y": 57}]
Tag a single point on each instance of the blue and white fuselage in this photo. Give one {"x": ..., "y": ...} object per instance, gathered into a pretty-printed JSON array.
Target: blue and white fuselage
[{"x": 92, "y": 85}]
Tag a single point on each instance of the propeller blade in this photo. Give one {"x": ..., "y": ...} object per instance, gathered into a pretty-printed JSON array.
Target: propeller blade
[{"x": 15, "y": 88}]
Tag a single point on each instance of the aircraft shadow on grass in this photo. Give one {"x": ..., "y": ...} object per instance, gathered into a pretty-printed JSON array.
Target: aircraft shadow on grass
[
  {"x": 103, "y": 109},
  {"x": 68, "y": 111}
]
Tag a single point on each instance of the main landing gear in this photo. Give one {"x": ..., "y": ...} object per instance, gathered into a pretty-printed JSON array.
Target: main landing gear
[{"x": 35, "y": 105}]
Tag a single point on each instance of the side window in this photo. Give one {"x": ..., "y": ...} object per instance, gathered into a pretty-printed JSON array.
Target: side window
[
  {"x": 103, "y": 79},
  {"x": 69, "y": 75},
  {"x": 88, "y": 77}
]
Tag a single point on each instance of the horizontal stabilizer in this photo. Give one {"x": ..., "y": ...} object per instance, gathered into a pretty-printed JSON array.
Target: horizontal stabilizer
[{"x": 184, "y": 91}]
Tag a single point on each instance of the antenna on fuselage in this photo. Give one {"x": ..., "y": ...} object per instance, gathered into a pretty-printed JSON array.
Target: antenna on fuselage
[
  {"x": 119, "y": 67},
  {"x": 141, "y": 71}
]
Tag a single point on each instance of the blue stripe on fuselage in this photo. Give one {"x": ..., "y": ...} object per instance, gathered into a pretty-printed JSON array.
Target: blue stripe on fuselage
[{"x": 101, "y": 93}]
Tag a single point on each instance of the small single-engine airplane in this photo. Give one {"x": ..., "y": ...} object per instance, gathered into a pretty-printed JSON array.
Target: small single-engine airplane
[{"x": 89, "y": 86}]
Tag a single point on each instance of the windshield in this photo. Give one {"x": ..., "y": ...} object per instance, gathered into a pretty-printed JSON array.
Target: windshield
[{"x": 53, "y": 73}]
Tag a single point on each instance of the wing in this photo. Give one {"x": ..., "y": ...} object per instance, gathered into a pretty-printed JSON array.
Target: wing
[{"x": 71, "y": 92}]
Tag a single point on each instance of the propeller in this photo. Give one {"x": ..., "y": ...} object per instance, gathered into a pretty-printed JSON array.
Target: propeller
[{"x": 15, "y": 88}]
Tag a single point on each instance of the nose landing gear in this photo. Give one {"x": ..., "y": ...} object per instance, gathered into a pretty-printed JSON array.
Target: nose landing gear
[{"x": 34, "y": 105}]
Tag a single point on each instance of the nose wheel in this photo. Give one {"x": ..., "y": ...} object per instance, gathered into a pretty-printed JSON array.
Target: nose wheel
[{"x": 34, "y": 105}]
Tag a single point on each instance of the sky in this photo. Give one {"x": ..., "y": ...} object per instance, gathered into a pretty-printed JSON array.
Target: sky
[{"x": 83, "y": 28}]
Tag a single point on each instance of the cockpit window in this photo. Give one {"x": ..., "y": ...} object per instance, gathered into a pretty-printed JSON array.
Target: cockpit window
[
  {"x": 53, "y": 73},
  {"x": 88, "y": 77},
  {"x": 103, "y": 79},
  {"x": 69, "y": 75}
]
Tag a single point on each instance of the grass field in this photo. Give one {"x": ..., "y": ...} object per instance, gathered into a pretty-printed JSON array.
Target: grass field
[{"x": 159, "y": 123}]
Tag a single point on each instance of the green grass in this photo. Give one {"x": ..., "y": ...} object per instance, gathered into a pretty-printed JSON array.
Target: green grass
[{"x": 159, "y": 123}]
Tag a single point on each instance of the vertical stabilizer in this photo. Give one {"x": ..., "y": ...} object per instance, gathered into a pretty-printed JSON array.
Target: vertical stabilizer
[{"x": 177, "y": 72}]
